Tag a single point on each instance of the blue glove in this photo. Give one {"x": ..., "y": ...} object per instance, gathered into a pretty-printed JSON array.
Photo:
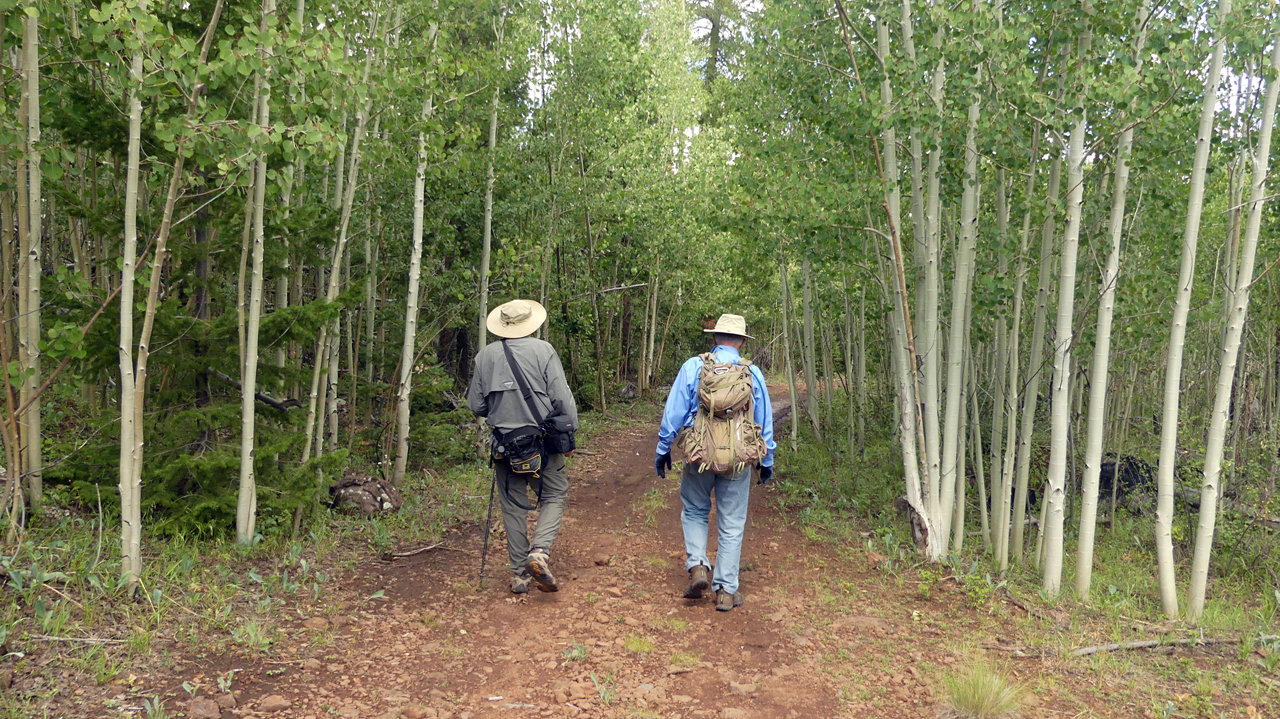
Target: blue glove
[
  {"x": 662, "y": 464},
  {"x": 766, "y": 474}
]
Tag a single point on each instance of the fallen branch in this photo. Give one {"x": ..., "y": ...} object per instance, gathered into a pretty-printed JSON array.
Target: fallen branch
[
  {"x": 85, "y": 640},
  {"x": 1152, "y": 643},
  {"x": 282, "y": 405},
  {"x": 392, "y": 556}
]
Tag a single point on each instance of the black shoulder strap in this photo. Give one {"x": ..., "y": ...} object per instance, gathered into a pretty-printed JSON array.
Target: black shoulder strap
[{"x": 525, "y": 391}]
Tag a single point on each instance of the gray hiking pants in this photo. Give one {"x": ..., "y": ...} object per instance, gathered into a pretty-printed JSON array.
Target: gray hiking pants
[{"x": 554, "y": 486}]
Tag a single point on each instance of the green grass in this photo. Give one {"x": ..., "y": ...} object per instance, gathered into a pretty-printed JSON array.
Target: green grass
[
  {"x": 637, "y": 644},
  {"x": 576, "y": 653},
  {"x": 684, "y": 659},
  {"x": 981, "y": 693},
  {"x": 670, "y": 624}
]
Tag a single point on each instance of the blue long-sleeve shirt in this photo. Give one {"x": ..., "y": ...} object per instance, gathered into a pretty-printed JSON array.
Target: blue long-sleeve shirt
[{"x": 682, "y": 402}]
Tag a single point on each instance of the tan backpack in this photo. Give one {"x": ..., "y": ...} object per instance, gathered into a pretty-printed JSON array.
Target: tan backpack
[{"x": 724, "y": 437}]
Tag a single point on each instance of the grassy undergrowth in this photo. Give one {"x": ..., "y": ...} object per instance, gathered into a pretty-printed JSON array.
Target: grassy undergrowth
[
  {"x": 78, "y": 642},
  {"x": 847, "y": 501}
]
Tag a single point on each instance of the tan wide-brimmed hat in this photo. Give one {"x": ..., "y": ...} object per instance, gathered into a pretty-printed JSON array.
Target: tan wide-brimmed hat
[
  {"x": 517, "y": 318},
  {"x": 730, "y": 325}
]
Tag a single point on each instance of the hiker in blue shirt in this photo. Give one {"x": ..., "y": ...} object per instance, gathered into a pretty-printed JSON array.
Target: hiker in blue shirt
[{"x": 751, "y": 444}]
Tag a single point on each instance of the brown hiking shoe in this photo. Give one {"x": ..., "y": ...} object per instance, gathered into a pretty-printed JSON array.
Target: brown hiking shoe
[
  {"x": 725, "y": 602},
  {"x": 539, "y": 567},
  {"x": 699, "y": 580}
]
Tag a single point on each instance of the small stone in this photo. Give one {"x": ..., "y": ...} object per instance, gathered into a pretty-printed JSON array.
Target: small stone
[
  {"x": 782, "y": 671},
  {"x": 316, "y": 623},
  {"x": 413, "y": 711},
  {"x": 602, "y": 560},
  {"x": 631, "y": 622},
  {"x": 312, "y": 665},
  {"x": 613, "y": 591},
  {"x": 226, "y": 701},
  {"x": 731, "y": 713},
  {"x": 561, "y": 697},
  {"x": 737, "y": 688},
  {"x": 202, "y": 708},
  {"x": 274, "y": 703},
  {"x": 681, "y": 698},
  {"x": 342, "y": 621}
]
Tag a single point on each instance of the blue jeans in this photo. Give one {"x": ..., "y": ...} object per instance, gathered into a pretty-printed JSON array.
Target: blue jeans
[{"x": 732, "y": 493}]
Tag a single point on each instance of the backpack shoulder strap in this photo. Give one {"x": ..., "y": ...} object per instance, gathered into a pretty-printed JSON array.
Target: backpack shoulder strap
[{"x": 525, "y": 390}]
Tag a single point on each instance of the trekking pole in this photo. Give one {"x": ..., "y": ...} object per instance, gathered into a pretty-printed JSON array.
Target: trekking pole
[{"x": 488, "y": 520}]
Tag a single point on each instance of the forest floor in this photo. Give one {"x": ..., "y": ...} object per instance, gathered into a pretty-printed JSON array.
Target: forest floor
[{"x": 827, "y": 630}]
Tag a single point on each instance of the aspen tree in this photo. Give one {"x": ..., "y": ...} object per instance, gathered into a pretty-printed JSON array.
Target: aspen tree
[
  {"x": 31, "y": 418},
  {"x": 247, "y": 500},
  {"x": 411, "y": 298},
  {"x": 786, "y": 351},
  {"x": 807, "y": 354},
  {"x": 339, "y": 250},
  {"x": 1000, "y": 499},
  {"x": 1035, "y": 362},
  {"x": 961, "y": 286},
  {"x": 130, "y": 483},
  {"x": 1178, "y": 330},
  {"x": 1218, "y": 420},
  {"x": 1052, "y": 518},
  {"x": 499, "y": 29},
  {"x": 1095, "y": 425}
]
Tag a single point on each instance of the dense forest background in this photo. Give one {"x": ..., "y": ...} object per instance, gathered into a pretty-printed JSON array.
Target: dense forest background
[{"x": 991, "y": 249}]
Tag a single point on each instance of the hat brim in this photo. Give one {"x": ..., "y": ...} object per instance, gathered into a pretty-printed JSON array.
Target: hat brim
[
  {"x": 722, "y": 332},
  {"x": 537, "y": 316}
]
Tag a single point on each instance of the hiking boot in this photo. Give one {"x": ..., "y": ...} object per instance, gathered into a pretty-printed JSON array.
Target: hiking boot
[
  {"x": 539, "y": 565},
  {"x": 699, "y": 580},
  {"x": 520, "y": 583},
  {"x": 725, "y": 602}
]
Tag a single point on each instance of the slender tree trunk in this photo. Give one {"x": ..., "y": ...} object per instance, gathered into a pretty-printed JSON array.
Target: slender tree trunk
[
  {"x": 247, "y": 501},
  {"x": 807, "y": 355},
  {"x": 1218, "y": 420},
  {"x": 1035, "y": 364},
  {"x": 786, "y": 351},
  {"x": 31, "y": 379},
  {"x": 961, "y": 284},
  {"x": 1178, "y": 331},
  {"x": 411, "y": 298},
  {"x": 1052, "y": 519},
  {"x": 1000, "y": 499},
  {"x": 130, "y": 487},
  {"x": 482, "y": 337},
  {"x": 1095, "y": 425},
  {"x": 339, "y": 250}
]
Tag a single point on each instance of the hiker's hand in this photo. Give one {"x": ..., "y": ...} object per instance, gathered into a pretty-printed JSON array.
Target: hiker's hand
[
  {"x": 662, "y": 464},
  {"x": 569, "y": 453},
  {"x": 766, "y": 474}
]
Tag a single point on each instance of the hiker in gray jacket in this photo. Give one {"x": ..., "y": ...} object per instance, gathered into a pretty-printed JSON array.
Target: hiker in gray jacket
[{"x": 496, "y": 394}]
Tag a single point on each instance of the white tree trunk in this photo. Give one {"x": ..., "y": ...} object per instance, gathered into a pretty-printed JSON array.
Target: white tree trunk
[
  {"x": 31, "y": 418},
  {"x": 482, "y": 336},
  {"x": 1178, "y": 331},
  {"x": 247, "y": 500},
  {"x": 130, "y": 488},
  {"x": 1095, "y": 426},
  {"x": 1060, "y": 391},
  {"x": 1218, "y": 420},
  {"x": 956, "y": 346},
  {"x": 411, "y": 301},
  {"x": 1035, "y": 364}
]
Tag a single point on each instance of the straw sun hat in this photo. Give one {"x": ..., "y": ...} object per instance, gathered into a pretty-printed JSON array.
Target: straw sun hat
[
  {"x": 517, "y": 318},
  {"x": 730, "y": 325}
]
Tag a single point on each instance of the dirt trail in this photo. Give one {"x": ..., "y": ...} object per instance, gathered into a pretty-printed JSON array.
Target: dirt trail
[
  {"x": 620, "y": 581},
  {"x": 617, "y": 640}
]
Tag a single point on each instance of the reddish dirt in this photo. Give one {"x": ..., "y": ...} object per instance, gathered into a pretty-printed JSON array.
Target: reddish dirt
[{"x": 822, "y": 633}]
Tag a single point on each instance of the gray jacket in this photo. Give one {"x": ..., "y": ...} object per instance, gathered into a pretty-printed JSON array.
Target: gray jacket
[{"x": 495, "y": 395}]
